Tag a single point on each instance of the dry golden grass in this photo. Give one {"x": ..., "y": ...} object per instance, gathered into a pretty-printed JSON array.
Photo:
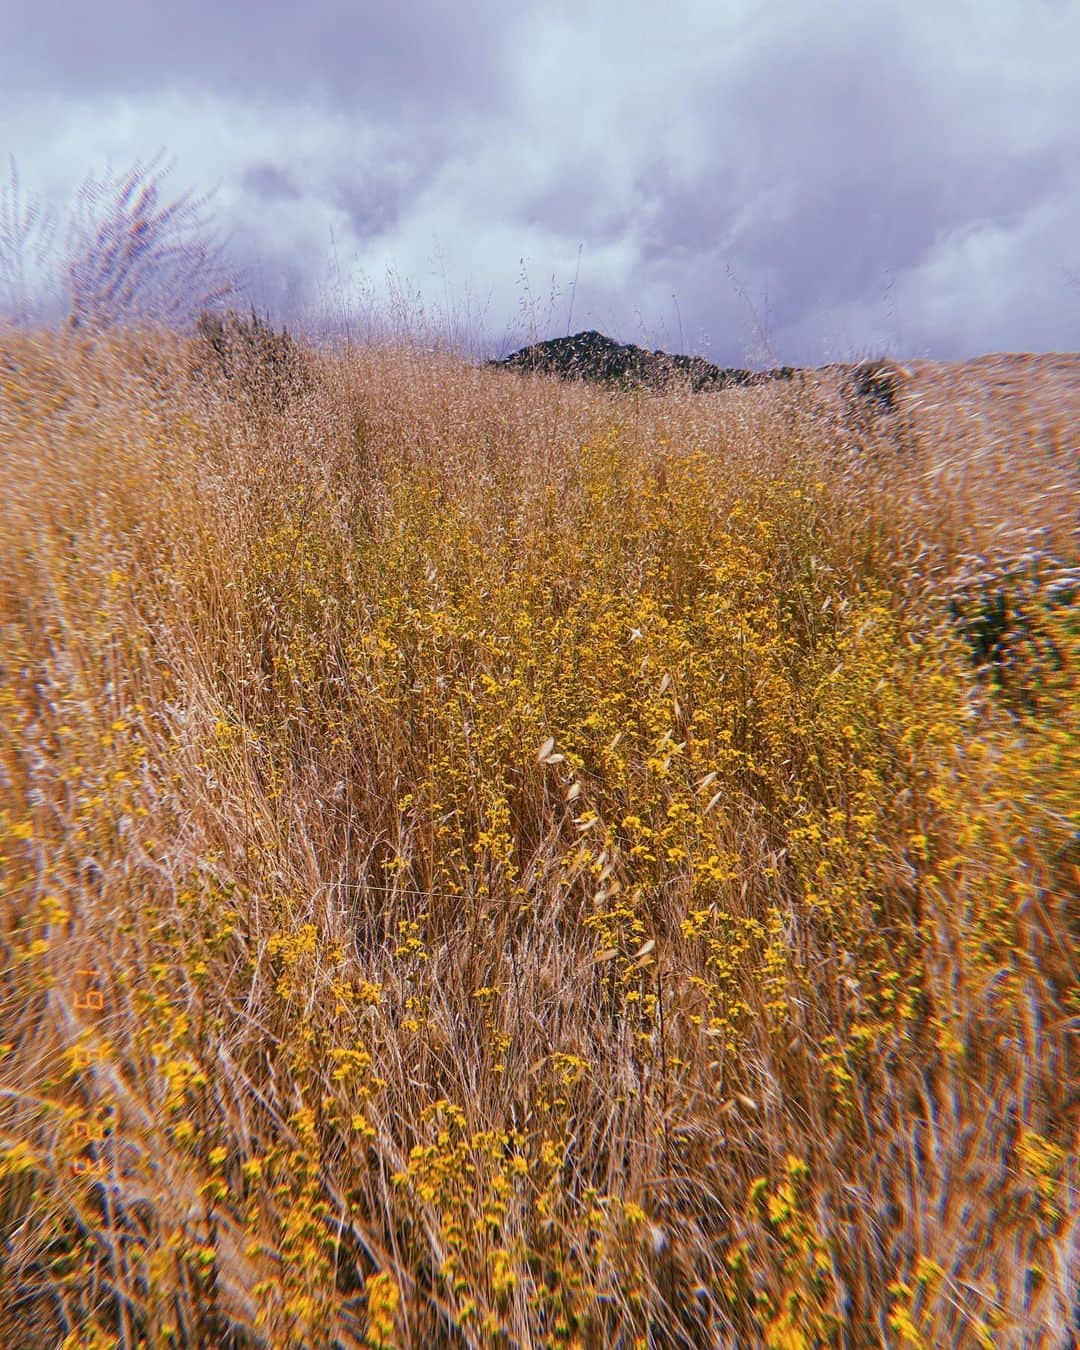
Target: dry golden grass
[{"x": 488, "y": 862}]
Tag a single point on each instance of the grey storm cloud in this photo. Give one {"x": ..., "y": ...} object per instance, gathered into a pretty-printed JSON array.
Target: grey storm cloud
[
  {"x": 403, "y": 56},
  {"x": 270, "y": 183},
  {"x": 798, "y": 181}
]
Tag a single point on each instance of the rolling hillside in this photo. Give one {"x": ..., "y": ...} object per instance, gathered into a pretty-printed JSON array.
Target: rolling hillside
[{"x": 498, "y": 861}]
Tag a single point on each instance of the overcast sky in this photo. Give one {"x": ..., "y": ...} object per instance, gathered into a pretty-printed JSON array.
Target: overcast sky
[{"x": 798, "y": 180}]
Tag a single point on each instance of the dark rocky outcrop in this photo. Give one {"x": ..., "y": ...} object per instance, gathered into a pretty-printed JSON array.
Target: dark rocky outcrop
[
  {"x": 870, "y": 391},
  {"x": 592, "y": 356}
]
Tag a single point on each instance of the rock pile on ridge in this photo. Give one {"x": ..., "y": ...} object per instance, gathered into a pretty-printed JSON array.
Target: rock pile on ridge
[{"x": 592, "y": 356}]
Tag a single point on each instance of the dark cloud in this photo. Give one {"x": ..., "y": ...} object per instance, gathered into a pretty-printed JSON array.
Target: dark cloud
[
  {"x": 838, "y": 157},
  {"x": 380, "y": 192},
  {"x": 568, "y": 203},
  {"x": 398, "y": 58},
  {"x": 270, "y": 183}
]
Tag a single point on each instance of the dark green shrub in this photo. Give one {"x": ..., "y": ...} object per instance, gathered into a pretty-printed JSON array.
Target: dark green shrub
[{"x": 1016, "y": 618}]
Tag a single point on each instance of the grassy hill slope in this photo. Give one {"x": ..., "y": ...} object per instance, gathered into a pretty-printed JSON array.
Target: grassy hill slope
[{"x": 491, "y": 861}]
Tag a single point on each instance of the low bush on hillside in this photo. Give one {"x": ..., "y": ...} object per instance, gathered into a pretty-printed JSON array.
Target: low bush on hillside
[{"x": 255, "y": 361}]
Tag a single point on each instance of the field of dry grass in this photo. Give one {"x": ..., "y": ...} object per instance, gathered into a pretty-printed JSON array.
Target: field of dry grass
[{"x": 492, "y": 862}]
